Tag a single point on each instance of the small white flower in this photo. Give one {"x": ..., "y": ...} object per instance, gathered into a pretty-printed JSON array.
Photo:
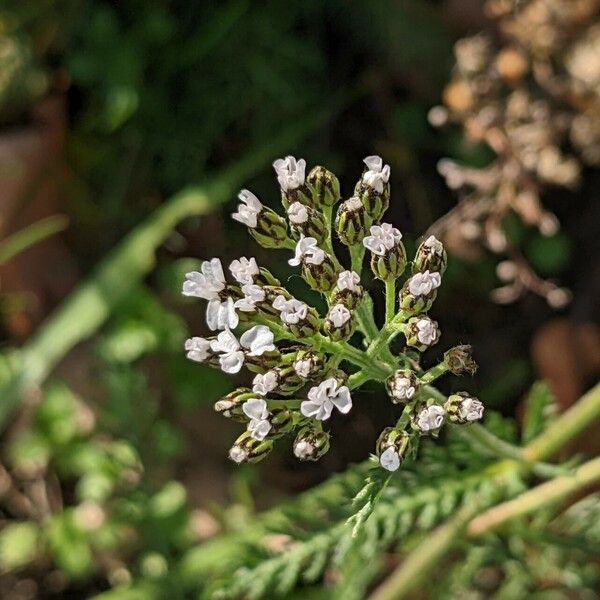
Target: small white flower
[
  {"x": 324, "y": 397},
  {"x": 303, "y": 449},
  {"x": 244, "y": 270},
  {"x": 264, "y": 383},
  {"x": 470, "y": 409},
  {"x": 353, "y": 203},
  {"x": 238, "y": 454},
  {"x": 297, "y": 213},
  {"x": 307, "y": 251},
  {"x": 349, "y": 280},
  {"x": 403, "y": 388},
  {"x": 231, "y": 356},
  {"x": 249, "y": 209},
  {"x": 390, "y": 459},
  {"x": 426, "y": 331},
  {"x": 422, "y": 284},
  {"x": 434, "y": 244},
  {"x": 221, "y": 315},
  {"x": 431, "y": 418},
  {"x": 290, "y": 172},
  {"x": 206, "y": 284},
  {"x": 303, "y": 367},
  {"x": 383, "y": 238},
  {"x": 197, "y": 349},
  {"x": 256, "y": 410},
  {"x": 377, "y": 174},
  {"x": 258, "y": 340},
  {"x": 292, "y": 311},
  {"x": 339, "y": 315},
  {"x": 253, "y": 294}
]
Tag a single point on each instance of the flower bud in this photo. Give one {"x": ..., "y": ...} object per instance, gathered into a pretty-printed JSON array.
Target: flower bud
[
  {"x": 264, "y": 362},
  {"x": 306, "y": 221},
  {"x": 373, "y": 188},
  {"x": 280, "y": 380},
  {"x": 230, "y": 406},
  {"x": 459, "y": 360},
  {"x": 311, "y": 443},
  {"x": 265, "y": 277},
  {"x": 198, "y": 349},
  {"x": 418, "y": 293},
  {"x": 247, "y": 449},
  {"x": 282, "y": 422},
  {"x": 325, "y": 187},
  {"x": 297, "y": 317},
  {"x": 338, "y": 323},
  {"x": 309, "y": 364},
  {"x": 270, "y": 230},
  {"x": 402, "y": 386},
  {"x": 429, "y": 419},
  {"x": 321, "y": 277},
  {"x": 421, "y": 332},
  {"x": 392, "y": 447},
  {"x": 388, "y": 256},
  {"x": 347, "y": 290},
  {"x": 463, "y": 408},
  {"x": 290, "y": 175},
  {"x": 430, "y": 256},
  {"x": 352, "y": 223}
]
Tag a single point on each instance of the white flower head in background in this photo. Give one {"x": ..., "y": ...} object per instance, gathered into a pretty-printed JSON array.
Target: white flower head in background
[
  {"x": 471, "y": 410},
  {"x": 244, "y": 270},
  {"x": 198, "y": 349},
  {"x": 291, "y": 311},
  {"x": 390, "y": 459},
  {"x": 253, "y": 294},
  {"x": 290, "y": 172},
  {"x": 382, "y": 239},
  {"x": 422, "y": 284},
  {"x": 264, "y": 383},
  {"x": 427, "y": 331},
  {"x": 307, "y": 251},
  {"x": 248, "y": 210},
  {"x": 326, "y": 396},
  {"x": 349, "y": 280},
  {"x": 377, "y": 175},
  {"x": 430, "y": 419},
  {"x": 297, "y": 213},
  {"x": 256, "y": 410}
]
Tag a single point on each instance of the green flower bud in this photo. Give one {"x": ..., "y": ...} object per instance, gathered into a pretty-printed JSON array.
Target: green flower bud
[
  {"x": 392, "y": 447},
  {"x": 230, "y": 406},
  {"x": 306, "y": 221},
  {"x": 321, "y": 277},
  {"x": 373, "y": 189},
  {"x": 270, "y": 230},
  {"x": 418, "y": 293},
  {"x": 311, "y": 443},
  {"x": 247, "y": 449},
  {"x": 264, "y": 362},
  {"x": 282, "y": 420},
  {"x": 459, "y": 360},
  {"x": 338, "y": 323},
  {"x": 325, "y": 187},
  {"x": 352, "y": 222},
  {"x": 388, "y": 256},
  {"x": 309, "y": 364},
  {"x": 463, "y": 408},
  {"x": 265, "y": 277},
  {"x": 347, "y": 290},
  {"x": 421, "y": 332},
  {"x": 430, "y": 256},
  {"x": 403, "y": 386}
]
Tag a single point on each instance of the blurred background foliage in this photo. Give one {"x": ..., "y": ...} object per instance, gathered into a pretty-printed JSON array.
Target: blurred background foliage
[{"x": 112, "y": 470}]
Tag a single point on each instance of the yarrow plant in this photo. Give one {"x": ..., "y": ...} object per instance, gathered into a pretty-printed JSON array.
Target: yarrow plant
[{"x": 307, "y": 364}]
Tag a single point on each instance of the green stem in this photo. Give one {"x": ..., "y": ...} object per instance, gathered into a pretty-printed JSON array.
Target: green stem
[
  {"x": 327, "y": 214},
  {"x": 390, "y": 300},
  {"x": 365, "y": 319},
  {"x": 548, "y": 492},
  {"x": 357, "y": 255},
  {"x": 434, "y": 373},
  {"x": 575, "y": 420},
  {"x": 388, "y": 332}
]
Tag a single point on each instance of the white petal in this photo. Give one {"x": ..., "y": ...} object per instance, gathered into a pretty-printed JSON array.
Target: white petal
[
  {"x": 226, "y": 342},
  {"x": 232, "y": 362},
  {"x": 255, "y": 408},
  {"x": 389, "y": 459},
  {"x": 258, "y": 340},
  {"x": 259, "y": 429},
  {"x": 342, "y": 400}
]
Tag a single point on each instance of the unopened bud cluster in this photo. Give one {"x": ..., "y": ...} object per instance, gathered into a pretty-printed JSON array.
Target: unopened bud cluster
[{"x": 303, "y": 362}]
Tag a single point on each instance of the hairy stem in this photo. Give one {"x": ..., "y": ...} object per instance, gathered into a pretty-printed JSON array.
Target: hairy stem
[{"x": 390, "y": 300}]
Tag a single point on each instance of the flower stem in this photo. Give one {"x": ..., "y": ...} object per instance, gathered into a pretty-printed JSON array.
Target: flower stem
[
  {"x": 390, "y": 300},
  {"x": 387, "y": 333},
  {"x": 357, "y": 255},
  {"x": 434, "y": 373}
]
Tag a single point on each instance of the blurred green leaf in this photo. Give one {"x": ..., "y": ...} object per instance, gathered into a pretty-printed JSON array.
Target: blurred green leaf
[
  {"x": 68, "y": 545},
  {"x": 549, "y": 255},
  {"x": 56, "y": 415},
  {"x": 539, "y": 407},
  {"x": 18, "y": 544}
]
